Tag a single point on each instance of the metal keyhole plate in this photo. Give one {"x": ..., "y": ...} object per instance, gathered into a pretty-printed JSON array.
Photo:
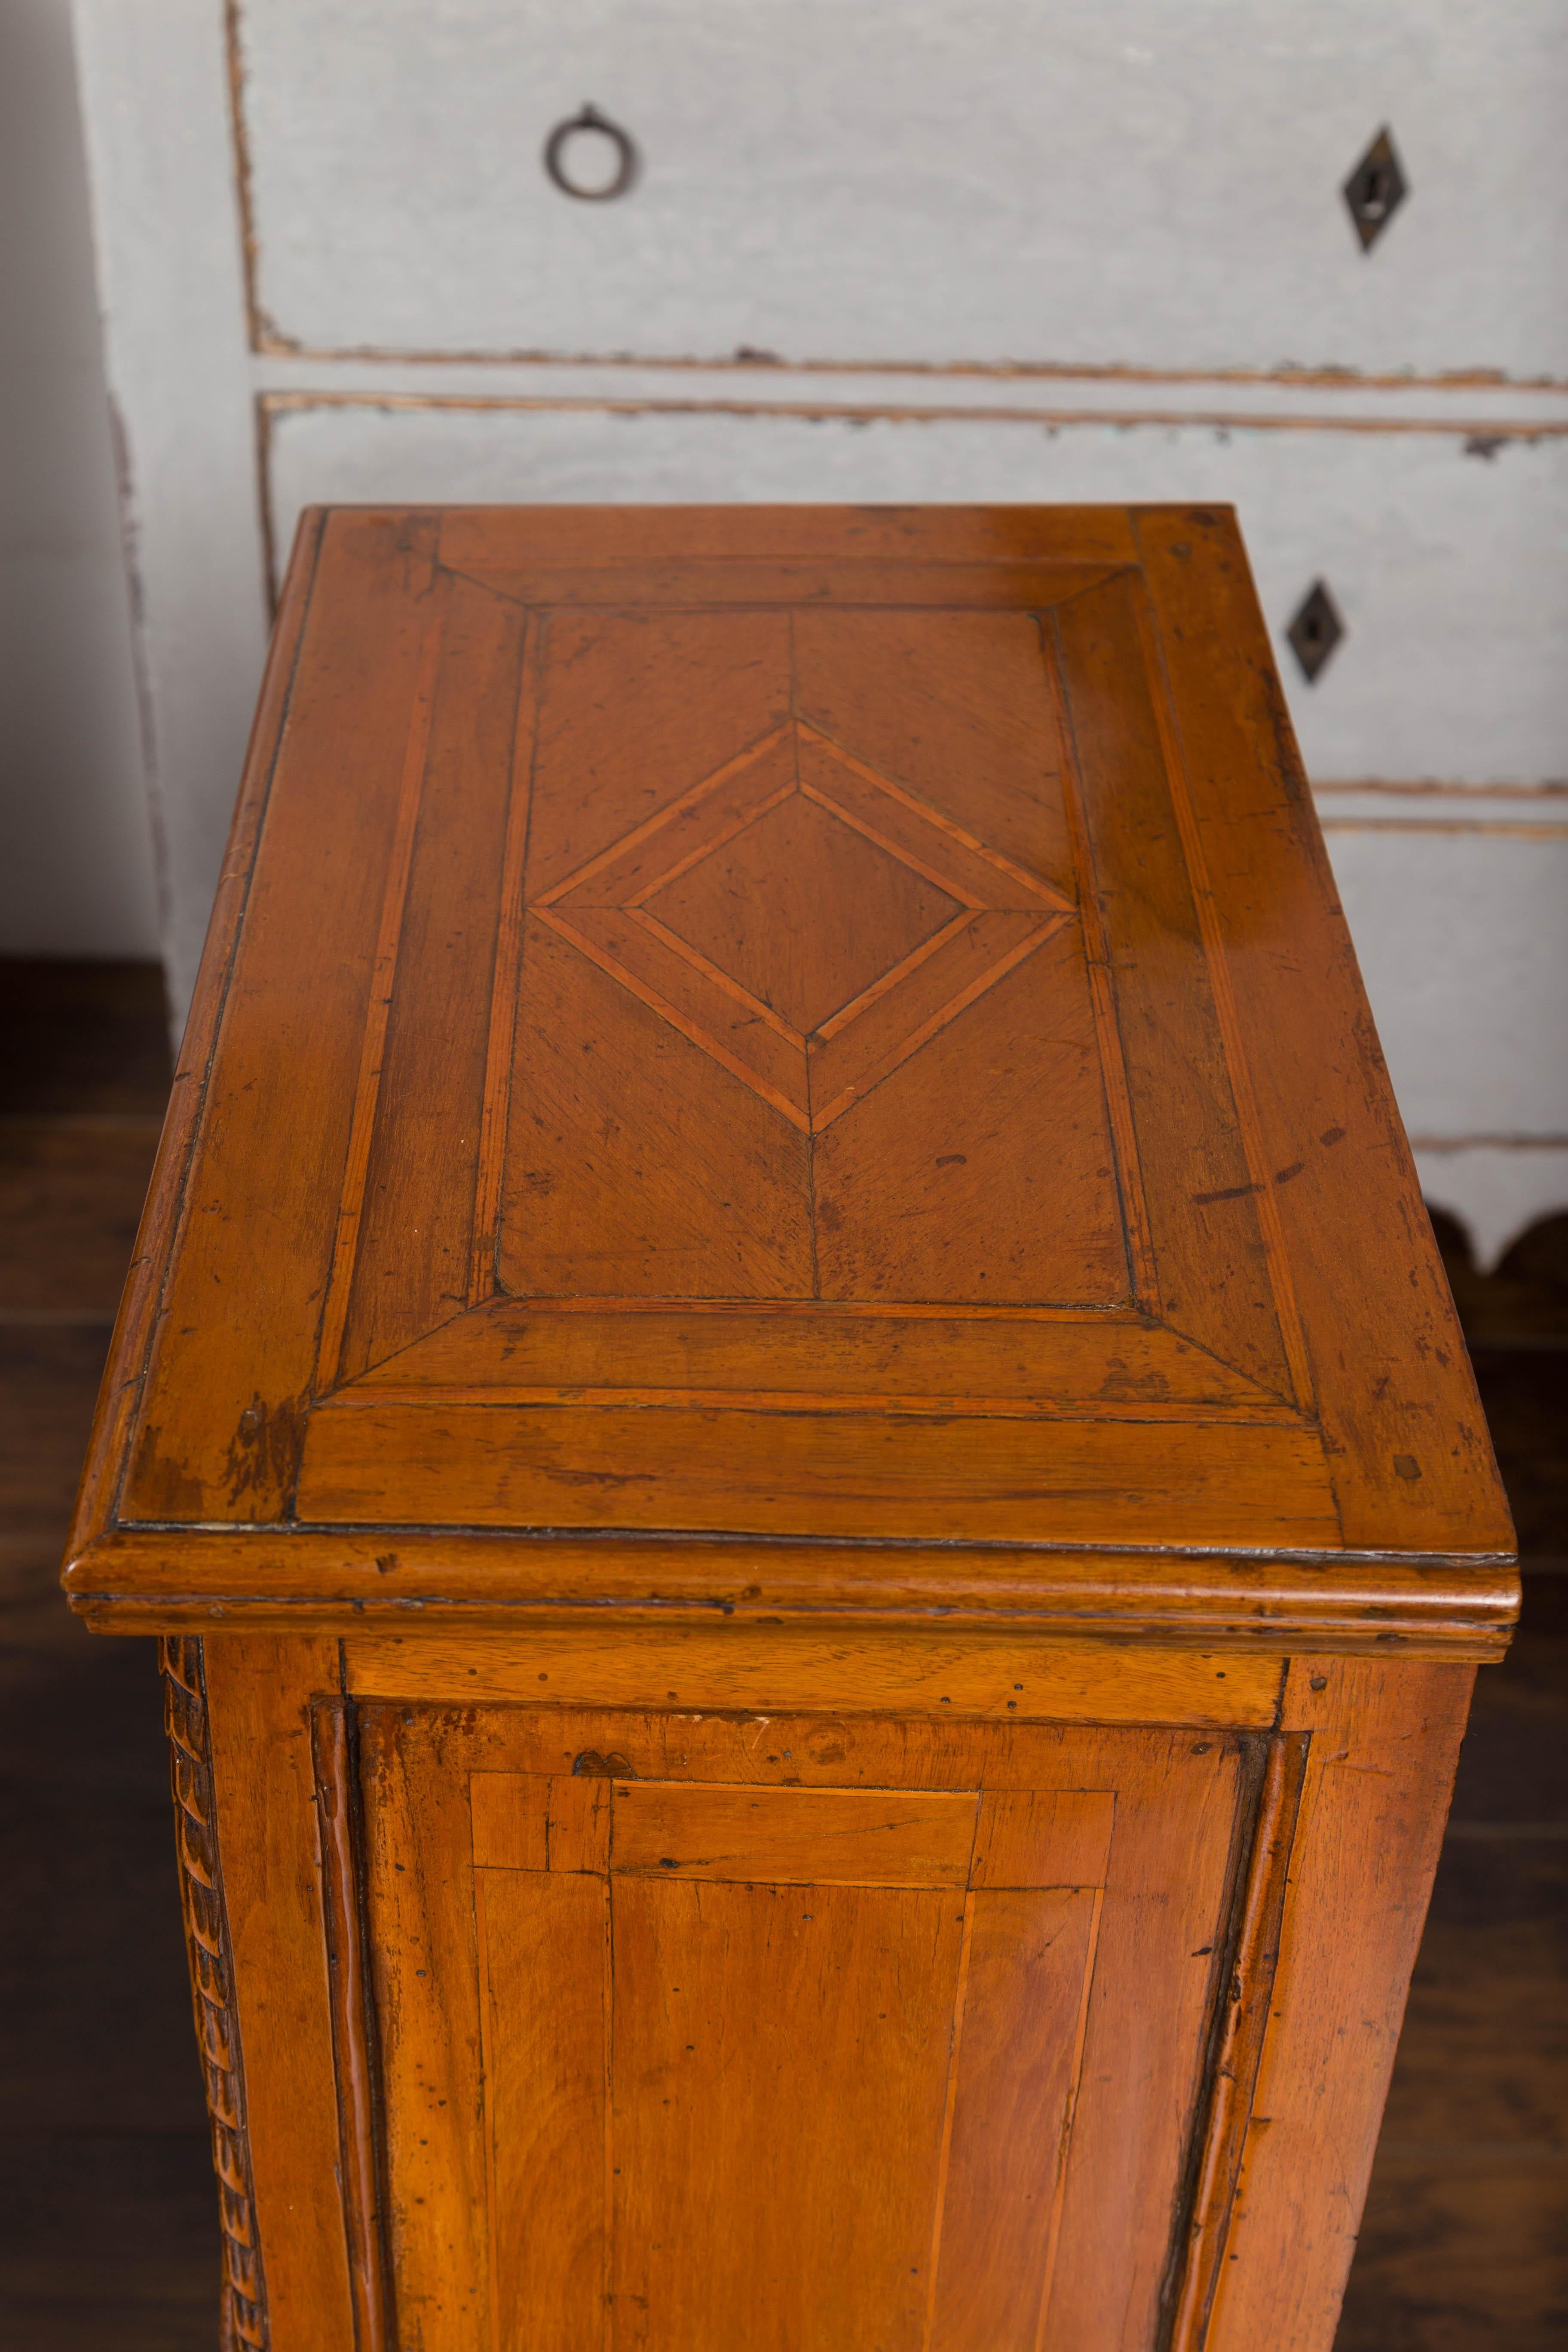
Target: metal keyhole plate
[
  {"x": 1375, "y": 189},
  {"x": 1315, "y": 630}
]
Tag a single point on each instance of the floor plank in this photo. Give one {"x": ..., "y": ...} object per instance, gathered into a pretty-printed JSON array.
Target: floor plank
[
  {"x": 108, "y": 2205},
  {"x": 115, "y": 2244},
  {"x": 1461, "y": 2251},
  {"x": 1484, "y": 2057},
  {"x": 70, "y": 1194},
  {"x": 82, "y": 1038}
]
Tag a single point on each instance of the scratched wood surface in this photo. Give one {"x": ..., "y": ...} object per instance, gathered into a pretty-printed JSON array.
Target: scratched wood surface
[{"x": 782, "y": 1023}]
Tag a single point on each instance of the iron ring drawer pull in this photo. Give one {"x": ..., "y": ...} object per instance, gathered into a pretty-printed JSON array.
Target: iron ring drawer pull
[{"x": 590, "y": 119}]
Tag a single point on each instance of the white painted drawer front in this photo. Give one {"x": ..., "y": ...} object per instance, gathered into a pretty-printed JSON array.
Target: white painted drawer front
[
  {"x": 1464, "y": 948},
  {"x": 1446, "y": 566},
  {"x": 1142, "y": 182}
]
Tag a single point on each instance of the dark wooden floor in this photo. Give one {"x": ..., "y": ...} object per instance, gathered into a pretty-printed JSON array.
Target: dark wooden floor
[
  {"x": 107, "y": 2234},
  {"x": 106, "y": 2190}
]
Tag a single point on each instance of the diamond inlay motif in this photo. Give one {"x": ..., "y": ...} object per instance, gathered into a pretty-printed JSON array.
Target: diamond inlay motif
[
  {"x": 841, "y": 910},
  {"x": 804, "y": 920}
]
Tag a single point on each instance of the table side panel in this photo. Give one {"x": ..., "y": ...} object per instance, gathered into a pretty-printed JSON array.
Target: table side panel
[
  {"x": 1380, "y": 1743},
  {"x": 675, "y": 1980},
  {"x": 1380, "y": 1773},
  {"x": 260, "y": 1691}
]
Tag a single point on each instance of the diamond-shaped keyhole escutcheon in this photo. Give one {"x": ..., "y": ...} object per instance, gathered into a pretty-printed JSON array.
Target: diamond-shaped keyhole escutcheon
[
  {"x": 1375, "y": 189},
  {"x": 1316, "y": 630}
]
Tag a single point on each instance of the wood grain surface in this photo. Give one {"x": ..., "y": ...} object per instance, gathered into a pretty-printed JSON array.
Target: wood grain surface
[
  {"x": 774, "y": 1666},
  {"x": 260, "y": 1691},
  {"x": 791, "y": 2029},
  {"x": 785, "y": 1218},
  {"x": 1175, "y": 1957},
  {"x": 1384, "y": 1744},
  {"x": 784, "y": 1023},
  {"x": 1420, "y": 1607}
]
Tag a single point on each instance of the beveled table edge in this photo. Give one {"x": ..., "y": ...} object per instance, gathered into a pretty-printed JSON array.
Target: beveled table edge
[{"x": 174, "y": 1578}]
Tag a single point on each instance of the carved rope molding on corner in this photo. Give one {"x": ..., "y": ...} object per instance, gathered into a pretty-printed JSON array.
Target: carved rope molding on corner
[{"x": 244, "y": 2314}]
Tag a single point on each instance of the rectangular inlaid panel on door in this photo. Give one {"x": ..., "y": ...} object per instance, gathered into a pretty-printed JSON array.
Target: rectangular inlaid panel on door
[{"x": 793, "y": 2033}]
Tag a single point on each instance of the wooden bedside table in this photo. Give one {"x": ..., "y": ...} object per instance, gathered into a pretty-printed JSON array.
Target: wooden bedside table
[{"x": 819, "y": 1518}]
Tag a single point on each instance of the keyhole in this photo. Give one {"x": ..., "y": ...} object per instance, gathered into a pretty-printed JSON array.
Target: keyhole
[
  {"x": 1315, "y": 630},
  {"x": 1375, "y": 189}
]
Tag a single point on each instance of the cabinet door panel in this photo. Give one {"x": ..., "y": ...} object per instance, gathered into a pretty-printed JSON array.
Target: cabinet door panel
[
  {"x": 902, "y": 2057},
  {"x": 424, "y": 1959},
  {"x": 780, "y": 2070},
  {"x": 543, "y": 1961},
  {"x": 1028, "y": 1961}
]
